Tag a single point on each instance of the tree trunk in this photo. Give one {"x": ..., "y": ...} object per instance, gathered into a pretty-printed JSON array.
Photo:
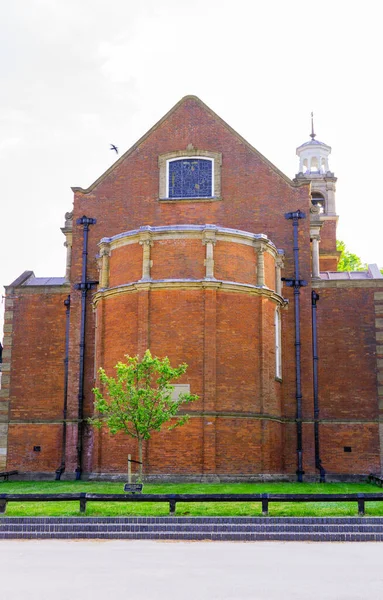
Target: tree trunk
[{"x": 140, "y": 470}]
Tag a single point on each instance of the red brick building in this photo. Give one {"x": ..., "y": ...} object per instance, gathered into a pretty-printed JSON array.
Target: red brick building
[{"x": 194, "y": 245}]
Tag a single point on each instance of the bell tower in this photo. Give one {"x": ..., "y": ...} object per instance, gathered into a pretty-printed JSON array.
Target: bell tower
[{"x": 314, "y": 165}]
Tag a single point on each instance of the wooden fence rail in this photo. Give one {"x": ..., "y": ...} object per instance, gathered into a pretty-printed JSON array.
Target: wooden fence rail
[{"x": 83, "y": 498}]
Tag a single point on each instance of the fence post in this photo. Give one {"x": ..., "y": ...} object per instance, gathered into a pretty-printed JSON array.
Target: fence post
[
  {"x": 361, "y": 510},
  {"x": 265, "y": 505},
  {"x": 3, "y": 503},
  {"x": 172, "y": 507},
  {"x": 83, "y": 502}
]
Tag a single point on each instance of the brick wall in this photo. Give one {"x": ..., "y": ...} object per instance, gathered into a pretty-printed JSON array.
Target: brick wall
[
  {"x": 235, "y": 262},
  {"x": 178, "y": 259},
  {"x": 125, "y": 265},
  {"x": 37, "y": 379},
  {"x": 347, "y": 378}
]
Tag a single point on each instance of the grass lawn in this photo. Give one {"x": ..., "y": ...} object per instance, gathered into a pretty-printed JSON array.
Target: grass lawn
[{"x": 188, "y": 509}]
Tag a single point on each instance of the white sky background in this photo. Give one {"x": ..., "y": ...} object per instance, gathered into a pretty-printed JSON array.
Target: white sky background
[{"x": 77, "y": 75}]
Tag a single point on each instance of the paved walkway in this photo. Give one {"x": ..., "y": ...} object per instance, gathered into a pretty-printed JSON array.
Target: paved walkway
[{"x": 148, "y": 570}]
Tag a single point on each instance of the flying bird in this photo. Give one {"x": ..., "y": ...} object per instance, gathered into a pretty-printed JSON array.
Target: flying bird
[{"x": 113, "y": 147}]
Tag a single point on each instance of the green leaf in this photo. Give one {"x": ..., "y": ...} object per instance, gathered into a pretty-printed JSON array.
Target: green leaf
[{"x": 349, "y": 261}]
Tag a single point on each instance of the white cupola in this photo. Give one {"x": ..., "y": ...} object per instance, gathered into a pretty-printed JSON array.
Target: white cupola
[
  {"x": 313, "y": 165},
  {"x": 313, "y": 156}
]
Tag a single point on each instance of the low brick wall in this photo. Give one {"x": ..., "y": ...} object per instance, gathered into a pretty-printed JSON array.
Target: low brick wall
[{"x": 198, "y": 528}]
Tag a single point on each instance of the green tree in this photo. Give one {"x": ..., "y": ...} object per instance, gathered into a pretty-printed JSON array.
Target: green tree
[
  {"x": 349, "y": 261},
  {"x": 139, "y": 400}
]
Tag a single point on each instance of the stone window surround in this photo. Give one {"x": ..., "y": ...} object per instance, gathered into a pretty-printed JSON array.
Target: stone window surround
[{"x": 190, "y": 152}]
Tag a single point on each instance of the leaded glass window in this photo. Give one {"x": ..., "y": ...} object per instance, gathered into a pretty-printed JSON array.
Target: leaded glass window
[{"x": 190, "y": 178}]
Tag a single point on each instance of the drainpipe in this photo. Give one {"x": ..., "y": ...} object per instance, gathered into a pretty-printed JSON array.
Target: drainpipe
[
  {"x": 318, "y": 462},
  {"x": 297, "y": 283},
  {"x": 61, "y": 468},
  {"x": 84, "y": 286}
]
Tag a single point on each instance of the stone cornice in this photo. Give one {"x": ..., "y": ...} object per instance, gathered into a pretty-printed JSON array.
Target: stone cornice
[
  {"x": 329, "y": 217},
  {"x": 188, "y": 284},
  {"x": 330, "y": 254},
  {"x": 223, "y": 234},
  {"x": 348, "y": 283},
  {"x": 41, "y": 289},
  {"x": 195, "y": 414}
]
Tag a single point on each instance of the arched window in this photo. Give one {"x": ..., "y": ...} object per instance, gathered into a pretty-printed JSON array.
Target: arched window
[
  {"x": 323, "y": 165},
  {"x": 190, "y": 178},
  {"x": 318, "y": 200},
  {"x": 314, "y": 165},
  {"x": 278, "y": 345}
]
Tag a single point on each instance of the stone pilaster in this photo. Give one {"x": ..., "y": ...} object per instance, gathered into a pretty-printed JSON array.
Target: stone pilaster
[
  {"x": 68, "y": 232},
  {"x": 260, "y": 249},
  {"x": 315, "y": 227},
  {"x": 209, "y": 239},
  {"x": 279, "y": 264},
  {"x": 146, "y": 242},
  {"x": 378, "y": 302},
  {"x": 143, "y": 340},
  {"x": 68, "y": 246},
  {"x": 209, "y": 393},
  {"x": 315, "y": 256},
  {"x": 330, "y": 194},
  {"x": 103, "y": 262}
]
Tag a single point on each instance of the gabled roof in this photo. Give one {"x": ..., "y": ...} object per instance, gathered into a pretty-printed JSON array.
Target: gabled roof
[{"x": 164, "y": 118}]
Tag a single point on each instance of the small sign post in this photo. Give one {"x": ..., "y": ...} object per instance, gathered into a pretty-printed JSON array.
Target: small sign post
[{"x": 133, "y": 488}]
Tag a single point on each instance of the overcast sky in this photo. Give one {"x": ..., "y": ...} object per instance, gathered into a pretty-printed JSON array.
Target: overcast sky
[{"x": 77, "y": 75}]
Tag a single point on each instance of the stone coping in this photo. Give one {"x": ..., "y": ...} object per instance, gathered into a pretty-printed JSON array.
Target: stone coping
[{"x": 193, "y": 231}]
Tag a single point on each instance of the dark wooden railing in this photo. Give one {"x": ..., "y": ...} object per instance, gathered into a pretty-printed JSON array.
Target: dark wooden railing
[{"x": 265, "y": 499}]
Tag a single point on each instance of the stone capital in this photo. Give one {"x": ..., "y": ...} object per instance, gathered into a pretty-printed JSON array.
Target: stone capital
[
  {"x": 316, "y": 217},
  {"x": 314, "y": 209},
  {"x": 68, "y": 226},
  {"x": 209, "y": 236},
  {"x": 104, "y": 249},
  {"x": 280, "y": 259},
  {"x": 260, "y": 246},
  {"x": 145, "y": 239},
  {"x": 315, "y": 232}
]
